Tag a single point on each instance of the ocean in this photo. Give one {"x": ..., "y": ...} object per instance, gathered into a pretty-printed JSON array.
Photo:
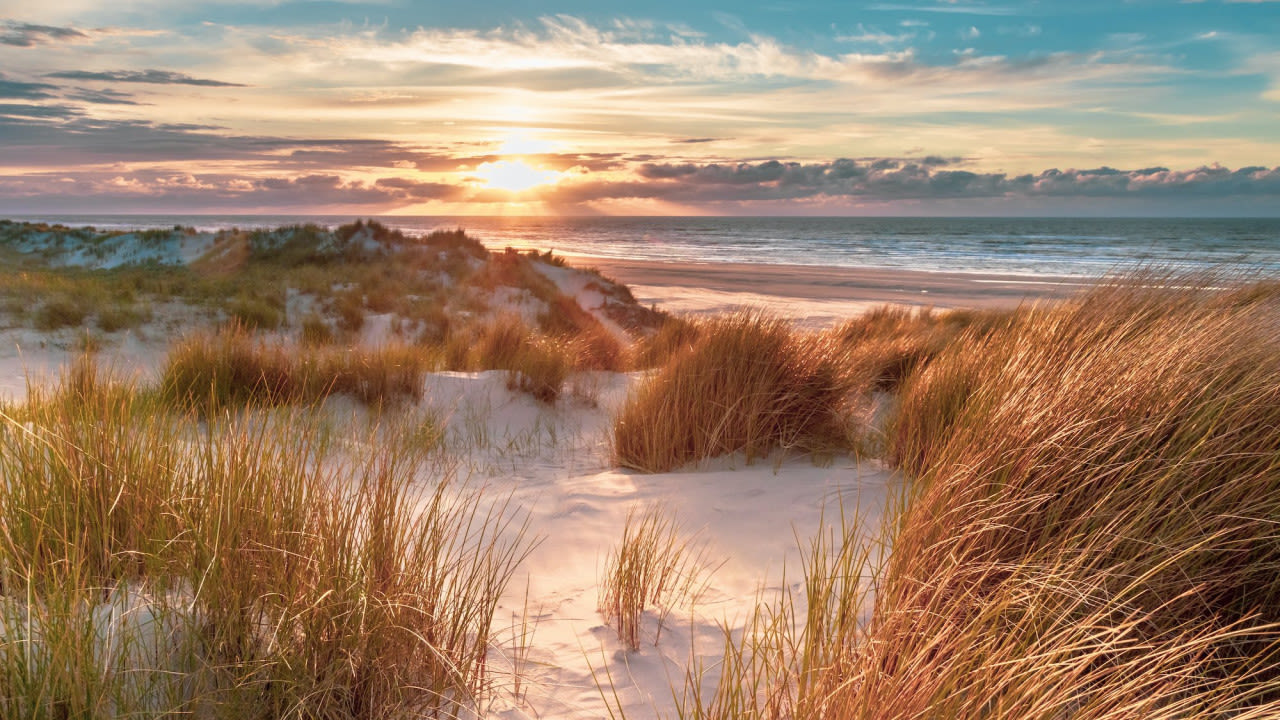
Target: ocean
[{"x": 1080, "y": 247}]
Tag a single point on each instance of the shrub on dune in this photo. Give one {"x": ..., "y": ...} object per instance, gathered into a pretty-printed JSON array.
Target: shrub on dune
[{"x": 750, "y": 383}]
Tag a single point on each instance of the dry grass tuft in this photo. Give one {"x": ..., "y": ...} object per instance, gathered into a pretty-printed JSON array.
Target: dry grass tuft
[
  {"x": 674, "y": 336},
  {"x": 232, "y": 367},
  {"x": 1095, "y": 512},
  {"x": 595, "y": 348},
  {"x": 794, "y": 654},
  {"x": 750, "y": 383},
  {"x": 653, "y": 565},
  {"x": 1089, "y": 529},
  {"x": 540, "y": 368},
  {"x": 890, "y": 342},
  {"x": 155, "y": 565}
]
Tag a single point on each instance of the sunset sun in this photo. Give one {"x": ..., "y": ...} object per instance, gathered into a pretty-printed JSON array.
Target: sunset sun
[{"x": 514, "y": 175}]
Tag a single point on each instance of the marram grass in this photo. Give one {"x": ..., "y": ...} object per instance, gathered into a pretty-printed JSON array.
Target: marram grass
[
  {"x": 748, "y": 383},
  {"x": 156, "y": 564},
  {"x": 1088, "y": 529},
  {"x": 653, "y": 565}
]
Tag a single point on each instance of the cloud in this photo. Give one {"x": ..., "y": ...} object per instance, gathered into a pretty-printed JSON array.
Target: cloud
[
  {"x": 875, "y": 36},
  {"x": 101, "y": 97},
  {"x": 419, "y": 191},
  {"x": 16, "y": 90},
  {"x": 928, "y": 179},
  {"x": 739, "y": 186},
  {"x": 954, "y": 8},
  {"x": 22, "y": 112},
  {"x": 156, "y": 77},
  {"x": 28, "y": 35},
  {"x": 144, "y": 190}
]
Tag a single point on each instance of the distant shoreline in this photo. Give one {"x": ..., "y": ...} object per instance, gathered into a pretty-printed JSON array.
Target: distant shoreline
[
  {"x": 1028, "y": 248},
  {"x": 837, "y": 284}
]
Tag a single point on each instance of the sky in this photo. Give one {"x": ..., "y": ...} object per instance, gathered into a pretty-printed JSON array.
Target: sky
[{"x": 668, "y": 107}]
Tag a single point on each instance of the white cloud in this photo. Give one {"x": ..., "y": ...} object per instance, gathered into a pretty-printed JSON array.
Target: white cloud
[{"x": 873, "y": 35}]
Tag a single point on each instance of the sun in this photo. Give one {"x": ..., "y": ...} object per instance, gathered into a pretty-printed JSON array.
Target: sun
[{"x": 514, "y": 175}]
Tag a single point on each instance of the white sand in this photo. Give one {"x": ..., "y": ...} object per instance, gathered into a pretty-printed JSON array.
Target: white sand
[{"x": 554, "y": 464}]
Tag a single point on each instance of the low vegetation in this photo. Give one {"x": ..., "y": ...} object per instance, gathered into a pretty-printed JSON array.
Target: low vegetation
[
  {"x": 654, "y": 565},
  {"x": 1088, "y": 529},
  {"x": 304, "y": 279},
  {"x": 748, "y": 383},
  {"x": 233, "y": 367},
  {"x": 152, "y": 565},
  {"x": 466, "y": 307}
]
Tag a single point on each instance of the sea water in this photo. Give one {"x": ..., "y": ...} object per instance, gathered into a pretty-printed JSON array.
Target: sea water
[{"x": 1082, "y": 247}]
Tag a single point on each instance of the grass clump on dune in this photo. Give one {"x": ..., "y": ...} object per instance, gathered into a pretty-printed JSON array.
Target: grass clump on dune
[
  {"x": 535, "y": 363},
  {"x": 672, "y": 336},
  {"x": 152, "y": 565},
  {"x": 1098, "y": 488},
  {"x": 233, "y": 367},
  {"x": 1089, "y": 529},
  {"x": 749, "y": 383},
  {"x": 653, "y": 565},
  {"x": 889, "y": 343}
]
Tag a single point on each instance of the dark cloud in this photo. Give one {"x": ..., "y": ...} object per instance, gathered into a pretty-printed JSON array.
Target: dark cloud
[
  {"x": 105, "y": 96},
  {"x": 63, "y": 136},
  {"x": 17, "y": 90},
  {"x": 888, "y": 179},
  {"x": 28, "y": 35},
  {"x": 19, "y": 115},
  {"x": 695, "y": 141},
  {"x": 145, "y": 189},
  {"x": 154, "y": 77},
  {"x": 421, "y": 191},
  {"x": 86, "y": 161}
]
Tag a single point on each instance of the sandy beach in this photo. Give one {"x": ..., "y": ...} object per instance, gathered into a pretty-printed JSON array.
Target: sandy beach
[{"x": 819, "y": 296}]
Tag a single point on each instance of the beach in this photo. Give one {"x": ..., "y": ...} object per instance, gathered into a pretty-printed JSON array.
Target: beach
[
  {"x": 821, "y": 296},
  {"x": 532, "y": 389}
]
